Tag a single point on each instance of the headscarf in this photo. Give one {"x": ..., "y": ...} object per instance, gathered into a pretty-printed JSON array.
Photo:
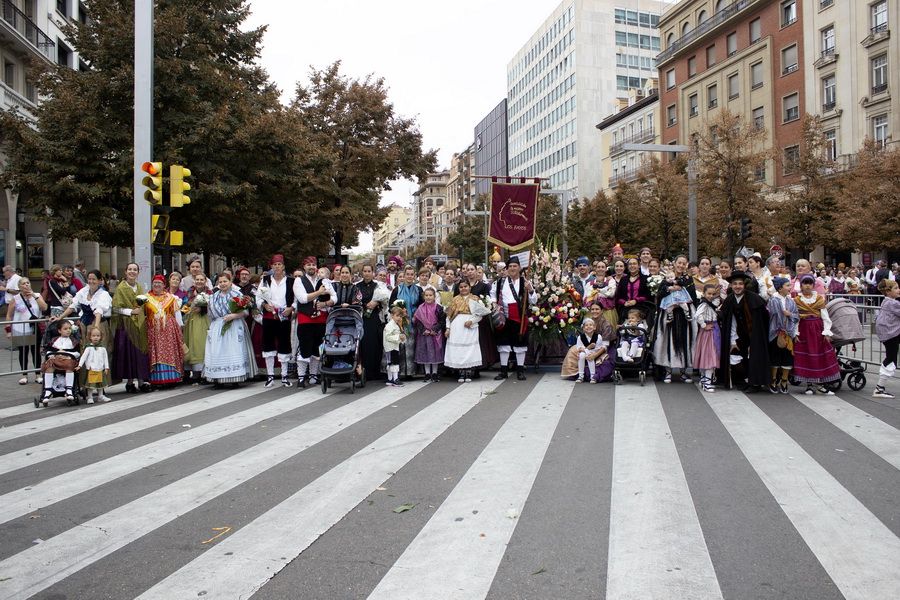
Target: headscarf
[{"x": 310, "y": 260}]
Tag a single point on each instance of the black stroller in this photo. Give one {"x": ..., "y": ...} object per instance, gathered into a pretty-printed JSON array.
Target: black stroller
[
  {"x": 642, "y": 364},
  {"x": 340, "y": 349},
  {"x": 58, "y": 387}
]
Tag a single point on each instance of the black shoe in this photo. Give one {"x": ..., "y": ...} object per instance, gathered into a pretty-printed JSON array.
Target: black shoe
[
  {"x": 301, "y": 382},
  {"x": 503, "y": 374},
  {"x": 131, "y": 388},
  {"x": 435, "y": 378},
  {"x": 145, "y": 387},
  {"x": 427, "y": 379},
  {"x": 520, "y": 373},
  {"x": 270, "y": 381}
]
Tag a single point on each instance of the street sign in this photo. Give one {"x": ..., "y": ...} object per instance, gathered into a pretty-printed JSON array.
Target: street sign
[
  {"x": 439, "y": 258},
  {"x": 776, "y": 250}
]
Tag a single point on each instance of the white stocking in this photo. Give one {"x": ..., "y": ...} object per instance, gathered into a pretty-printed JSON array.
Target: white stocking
[
  {"x": 520, "y": 357},
  {"x": 270, "y": 366},
  {"x": 70, "y": 379}
]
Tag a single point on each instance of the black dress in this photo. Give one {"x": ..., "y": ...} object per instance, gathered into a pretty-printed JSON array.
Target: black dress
[{"x": 371, "y": 348}]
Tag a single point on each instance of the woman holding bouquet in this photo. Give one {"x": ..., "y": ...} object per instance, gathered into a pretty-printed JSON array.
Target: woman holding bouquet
[
  {"x": 164, "y": 342},
  {"x": 196, "y": 326},
  {"x": 129, "y": 359},
  {"x": 225, "y": 357}
]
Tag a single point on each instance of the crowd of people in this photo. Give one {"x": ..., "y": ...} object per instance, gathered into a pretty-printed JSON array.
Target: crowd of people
[{"x": 750, "y": 322}]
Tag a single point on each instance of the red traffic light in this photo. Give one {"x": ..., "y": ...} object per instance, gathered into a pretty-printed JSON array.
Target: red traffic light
[{"x": 152, "y": 168}]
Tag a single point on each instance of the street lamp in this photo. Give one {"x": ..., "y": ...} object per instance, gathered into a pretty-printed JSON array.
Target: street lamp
[{"x": 692, "y": 187}]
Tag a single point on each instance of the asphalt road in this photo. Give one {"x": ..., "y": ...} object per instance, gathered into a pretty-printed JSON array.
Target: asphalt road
[{"x": 541, "y": 489}]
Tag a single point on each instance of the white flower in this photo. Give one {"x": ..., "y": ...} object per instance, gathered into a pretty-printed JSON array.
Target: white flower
[{"x": 545, "y": 327}]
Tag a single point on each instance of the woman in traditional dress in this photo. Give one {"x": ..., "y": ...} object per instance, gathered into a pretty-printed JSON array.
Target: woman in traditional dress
[
  {"x": 477, "y": 286},
  {"x": 607, "y": 334},
  {"x": 411, "y": 294},
  {"x": 674, "y": 346},
  {"x": 815, "y": 362},
  {"x": 632, "y": 292},
  {"x": 165, "y": 346},
  {"x": 129, "y": 359},
  {"x": 603, "y": 293},
  {"x": 462, "y": 350},
  {"x": 225, "y": 358},
  {"x": 374, "y": 300},
  {"x": 96, "y": 309},
  {"x": 348, "y": 294},
  {"x": 704, "y": 274},
  {"x": 196, "y": 326}
]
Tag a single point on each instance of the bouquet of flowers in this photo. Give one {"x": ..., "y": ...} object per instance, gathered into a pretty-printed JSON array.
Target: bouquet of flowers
[
  {"x": 380, "y": 295},
  {"x": 557, "y": 312},
  {"x": 654, "y": 281},
  {"x": 200, "y": 301},
  {"x": 141, "y": 299},
  {"x": 236, "y": 305}
]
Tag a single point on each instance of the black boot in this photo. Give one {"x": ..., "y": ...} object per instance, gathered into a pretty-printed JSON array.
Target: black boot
[
  {"x": 520, "y": 373},
  {"x": 503, "y": 374}
]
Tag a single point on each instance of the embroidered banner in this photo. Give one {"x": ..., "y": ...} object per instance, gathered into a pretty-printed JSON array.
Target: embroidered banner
[{"x": 513, "y": 214}]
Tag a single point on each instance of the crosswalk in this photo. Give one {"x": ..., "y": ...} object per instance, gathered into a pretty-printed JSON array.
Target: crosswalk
[{"x": 536, "y": 489}]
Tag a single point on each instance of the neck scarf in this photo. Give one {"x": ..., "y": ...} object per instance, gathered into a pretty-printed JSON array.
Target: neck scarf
[{"x": 427, "y": 315}]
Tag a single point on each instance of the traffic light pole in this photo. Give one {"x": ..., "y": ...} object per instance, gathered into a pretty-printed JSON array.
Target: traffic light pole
[{"x": 143, "y": 133}]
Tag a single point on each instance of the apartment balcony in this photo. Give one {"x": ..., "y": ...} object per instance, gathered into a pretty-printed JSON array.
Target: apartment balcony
[
  {"x": 647, "y": 135},
  {"x": 623, "y": 176},
  {"x": 21, "y": 31},
  {"x": 708, "y": 26},
  {"x": 12, "y": 100},
  {"x": 876, "y": 34},
  {"x": 827, "y": 56}
]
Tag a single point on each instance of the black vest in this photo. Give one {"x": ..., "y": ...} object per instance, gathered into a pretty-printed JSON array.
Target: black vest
[
  {"x": 288, "y": 288},
  {"x": 307, "y": 308}
]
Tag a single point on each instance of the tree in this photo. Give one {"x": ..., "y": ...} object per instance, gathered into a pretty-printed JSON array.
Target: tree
[
  {"x": 804, "y": 216},
  {"x": 869, "y": 201},
  {"x": 595, "y": 225},
  {"x": 660, "y": 198},
  {"x": 469, "y": 234},
  {"x": 727, "y": 156},
  {"x": 215, "y": 111},
  {"x": 365, "y": 146}
]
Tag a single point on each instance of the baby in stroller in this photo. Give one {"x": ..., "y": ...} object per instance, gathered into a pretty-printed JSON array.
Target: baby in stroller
[
  {"x": 633, "y": 336},
  {"x": 60, "y": 362}
]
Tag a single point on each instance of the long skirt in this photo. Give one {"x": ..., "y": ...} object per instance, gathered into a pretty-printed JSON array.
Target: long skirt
[
  {"x": 227, "y": 359},
  {"x": 128, "y": 362},
  {"x": 674, "y": 346},
  {"x": 196, "y": 327},
  {"x": 408, "y": 354},
  {"x": 371, "y": 347},
  {"x": 814, "y": 358},
  {"x": 487, "y": 344},
  {"x": 462, "y": 349},
  {"x": 707, "y": 348},
  {"x": 256, "y": 342},
  {"x": 611, "y": 316},
  {"x": 430, "y": 348},
  {"x": 166, "y": 353}
]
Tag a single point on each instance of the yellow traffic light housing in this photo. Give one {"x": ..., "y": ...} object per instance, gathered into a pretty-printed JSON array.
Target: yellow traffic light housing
[
  {"x": 178, "y": 186},
  {"x": 176, "y": 238},
  {"x": 158, "y": 226},
  {"x": 153, "y": 182}
]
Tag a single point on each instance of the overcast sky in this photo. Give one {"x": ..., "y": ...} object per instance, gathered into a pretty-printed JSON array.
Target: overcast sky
[{"x": 444, "y": 62}]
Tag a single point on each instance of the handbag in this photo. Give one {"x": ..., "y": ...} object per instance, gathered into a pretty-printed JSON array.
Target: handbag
[{"x": 95, "y": 377}]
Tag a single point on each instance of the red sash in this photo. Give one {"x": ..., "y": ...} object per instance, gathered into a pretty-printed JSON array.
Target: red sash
[
  {"x": 514, "y": 313},
  {"x": 304, "y": 319}
]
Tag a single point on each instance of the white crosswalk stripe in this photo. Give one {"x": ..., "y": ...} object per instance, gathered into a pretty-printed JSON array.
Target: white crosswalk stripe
[{"x": 659, "y": 542}]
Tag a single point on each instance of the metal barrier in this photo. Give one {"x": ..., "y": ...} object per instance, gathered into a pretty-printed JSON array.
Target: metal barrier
[
  {"x": 870, "y": 351},
  {"x": 13, "y": 346}
]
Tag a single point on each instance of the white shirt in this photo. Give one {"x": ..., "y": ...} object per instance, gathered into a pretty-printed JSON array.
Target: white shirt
[
  {"x": 100, "y": 302},
  {"x": 300, "y": 291},
  {"x": 277, "y": 295},
  {"x": 12, "y": 284},
  {"x": 826, "y": 320},
  {"x": 187, "y": 283},
  {"x": 94, "y": 358},
  {"x": 509, "y": 293}
]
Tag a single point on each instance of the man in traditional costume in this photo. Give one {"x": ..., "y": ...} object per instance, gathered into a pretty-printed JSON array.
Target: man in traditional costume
[
  {"x": 513, "y": 293},
  {"x": 394, "y": 272},
  {"x": 275, "y": 299},
  {"x": 744, "y": 357},
  {"x": 582, "y": 278},
  {"x": 311, "y": 294}
]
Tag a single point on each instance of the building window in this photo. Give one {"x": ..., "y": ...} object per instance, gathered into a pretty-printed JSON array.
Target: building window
[
  {"x": 712, "y": 96},
  {"x": 879, "y": 16},
  {"x": 693, "y": 104},
  {"x": 830, "y": 144},
  {"x": 880, "y": 130},
  {"x": 879, "y": 74},
  {"x": 759, "y": 118},
  {"x": 825, "y": 3},
  {"x": 714, "y": 136},
  {"x": 756, "y": 75},
  {"x": 828, "y": 41},
  {"x": 692, "y": 66},
  {"x": 671, "y": 117},
  {"x": 670, "y": 39},
  {"x": 711, "y": 56},
  {"x": 734, "y": 86},
  {"x": 701, "y": 16},
  {"x": 685, "y": 29},
  {"x": 63, "y": 7},
  {"x": 731, "y": 43},
  {"x": 789, "y": 60},
  {"x": 670, "y": 79},
  {"x": 759, "y": 173},
  {"x": 755, "y": 30},
  {"x": 791, "y": 158},
  {"x": 788, "y": 12},
  {"x": 791, "y": 105},
  {"x": 829, "y": 93},
  {"x": 9, "y": 74},
  {"x": 63, "y": 54}
]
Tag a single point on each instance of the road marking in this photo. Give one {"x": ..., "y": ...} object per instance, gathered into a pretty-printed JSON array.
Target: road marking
[
  {"x": 243, "y": 563},
  {"x": 855, "y": 548},
  {"x": 874, "y": 434},
  {"x": 42, "y": 565},
  {"x": 66, "y": 445},
  {"x": 656, "y": 544},
  {"x": 489, "y": 497},
  {"x": 52, "y": 421},
  {"x": 25, "y": 500}
]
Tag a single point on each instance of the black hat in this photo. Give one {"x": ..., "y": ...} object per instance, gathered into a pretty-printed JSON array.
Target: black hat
[
  {"x": 739, "y": 275},
  {"x": 513, "y": 260}
]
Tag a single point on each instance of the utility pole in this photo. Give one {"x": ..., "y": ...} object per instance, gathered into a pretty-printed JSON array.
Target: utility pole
[{"x": 143, "y": 133}]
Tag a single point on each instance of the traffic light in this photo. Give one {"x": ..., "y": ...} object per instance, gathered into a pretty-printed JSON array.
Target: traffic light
[
  {"x": 176, "y": 238},
  {"x": 153, "y": 182},
  {"x": 746, "y": 228},
  {"x": 178, "y": 186},
  {"x": 158, "y": 229}
]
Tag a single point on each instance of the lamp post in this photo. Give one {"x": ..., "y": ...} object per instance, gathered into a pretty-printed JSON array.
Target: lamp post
[{"x": 692, "y": 187}]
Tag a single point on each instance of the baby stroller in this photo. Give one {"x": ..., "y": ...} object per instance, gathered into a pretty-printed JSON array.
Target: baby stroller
[
  {"x": 340, "y": 349},
  {"x": 58, "y": 387},
  {"x": 643, "y": 363},
  {"x": 846, "y": 330}
]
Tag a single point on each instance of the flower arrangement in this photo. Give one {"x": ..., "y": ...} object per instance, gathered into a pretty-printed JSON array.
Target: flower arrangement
[
  {"x": 654, "y": 281},
  {"x": 141, "y": 299},
  {"x": 557, "y": 312},
  {"x": 200, "y": 301},
  {"x": 236, "y": 305}
]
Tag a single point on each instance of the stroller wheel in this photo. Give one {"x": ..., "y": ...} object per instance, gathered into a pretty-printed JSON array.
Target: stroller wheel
[
  {"x": 37, "y": 402},
  {"x": 353, "y": 384},
  {"x": 642, "y": 377},
  {"x": 856, "y": 381},
  {"x": 324, "y": 384},
  {"x": 362, "y": 378}
]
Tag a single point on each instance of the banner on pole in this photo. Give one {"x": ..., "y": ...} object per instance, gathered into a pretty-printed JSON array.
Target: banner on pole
[{"x": 513, "y": 214}]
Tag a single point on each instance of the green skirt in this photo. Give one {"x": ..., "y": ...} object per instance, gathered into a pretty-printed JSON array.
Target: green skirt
[{"x": 196, "y": 326}]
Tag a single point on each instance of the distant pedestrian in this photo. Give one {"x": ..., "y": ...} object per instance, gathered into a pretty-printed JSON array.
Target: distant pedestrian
[{"x": 887, "y": 327}]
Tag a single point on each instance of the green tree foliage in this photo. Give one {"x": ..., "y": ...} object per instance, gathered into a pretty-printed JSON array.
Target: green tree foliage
[
  {"x": 597, "y": 224},
  {"x": 660, "y": 198},
  {"x": 469, "y": 235},
  {"x": 869, "y": 201}
]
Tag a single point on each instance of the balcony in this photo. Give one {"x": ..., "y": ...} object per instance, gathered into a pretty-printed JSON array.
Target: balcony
[
  {"x": 876, "y": 34},
  {"x": 790, "y": 69},
  {"x": 828, "y": 106},
  {"x": 647, "y": 135},
  {"x": 623, "y": 176},
  {"x": 827, "y": 56},
  {"x": 702, "y": 29},
  {"x": 16, "y": 25},
  {"x": 12, "y": 100}
]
